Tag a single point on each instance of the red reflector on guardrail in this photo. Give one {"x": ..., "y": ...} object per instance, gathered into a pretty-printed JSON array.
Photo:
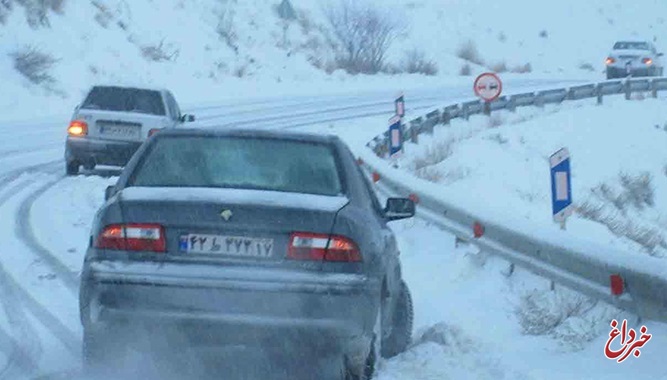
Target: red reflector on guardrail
[
  {"x": 477, "y": 230},
  {"x": 376, "y": 176},
  {"x": 414, "y": 197},
  {"x": 616, "y": 284}
]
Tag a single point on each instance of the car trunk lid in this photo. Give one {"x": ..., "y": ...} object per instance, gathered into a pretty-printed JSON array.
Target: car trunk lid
[{"x": 231, "y": 226}]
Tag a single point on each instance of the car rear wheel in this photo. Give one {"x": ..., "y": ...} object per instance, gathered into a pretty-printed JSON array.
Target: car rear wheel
[
  {"x": 399, "y": 338},
  {"x": 72, "y": 168}
]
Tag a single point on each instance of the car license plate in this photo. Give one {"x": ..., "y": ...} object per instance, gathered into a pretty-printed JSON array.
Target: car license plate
[
  {"x": 227, "y": 245},
  {"x": 120, "y": 131}
]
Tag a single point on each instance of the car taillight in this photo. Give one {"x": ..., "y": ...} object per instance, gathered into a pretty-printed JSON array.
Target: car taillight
[
  {"x": 610, "y": 60},
  {"x": 153, "y": 131},
  {"x": 77, "y": 128},
  {"x": 132, "y": 237},
  {"x": 322, "y": 247},
  {"x": 647, "y": 61}
]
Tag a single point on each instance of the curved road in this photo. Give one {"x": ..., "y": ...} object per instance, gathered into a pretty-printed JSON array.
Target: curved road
[{"x": 39, "y": 328}]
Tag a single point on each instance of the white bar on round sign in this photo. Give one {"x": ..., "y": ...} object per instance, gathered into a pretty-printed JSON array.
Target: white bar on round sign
[{"x": 561, "y": 186}]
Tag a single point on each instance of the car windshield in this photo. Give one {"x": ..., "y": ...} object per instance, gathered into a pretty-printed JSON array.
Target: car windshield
[
  {"x": 244, "y": 163},
  {"x": 631, "y": 46},
  {"x": 125, "y": 99}
]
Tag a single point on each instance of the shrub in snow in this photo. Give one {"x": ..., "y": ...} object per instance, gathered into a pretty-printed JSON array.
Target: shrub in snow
[
  {"x": 34, "y": 65},
  {"x": 103, "y": 15},
  {"x": 434, "y": 154},
  {"x": 586, "y": 66},
  {"x": 363, "y": 32},
  {"x": 159, "y": 52},
  {"x": 500, "y": 67},
  {"x": 612, "y": 208},
  {"x": 522, "y": 69},
  {"x": 465, "y": 70},
  {"x": 225, "y": 27},
  {"x": 495, "y": 120},
  {"x": 540, "y": 312},
  {"x": 468, "y": 51},
  {"x": 544, "y": 34},
  {"x": 450, "y": 338},
  {"x": 415, "y": 62}
]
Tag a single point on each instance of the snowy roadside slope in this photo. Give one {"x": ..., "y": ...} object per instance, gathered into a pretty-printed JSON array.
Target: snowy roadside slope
[{"x": 618, "y": 170}]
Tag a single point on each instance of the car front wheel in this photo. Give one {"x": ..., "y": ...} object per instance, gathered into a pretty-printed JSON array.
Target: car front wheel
[{"x": 72, "y": 168}]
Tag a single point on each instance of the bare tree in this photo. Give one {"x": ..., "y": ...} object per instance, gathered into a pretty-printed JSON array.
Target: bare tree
[{"x": 365, "y": 34}]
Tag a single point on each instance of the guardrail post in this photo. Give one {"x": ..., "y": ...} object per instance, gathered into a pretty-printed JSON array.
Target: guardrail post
[
  {"x": 628, "y": 89},
  {"x": 414, "y": 135},
  {"x": 446, "y": 118},
  {"x": 511, "y": 104},
  {"x": 570, "y": 94},
  {"x": 539, "y": 101},
  {"x": 487, "y": 108},
  {"x": 654, "y": 89},
  {"x": 464, "y": 111},
  {"x": 598, "y": 93}
]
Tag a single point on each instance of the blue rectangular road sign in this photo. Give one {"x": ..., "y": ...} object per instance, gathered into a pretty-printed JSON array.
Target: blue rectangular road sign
[
  {"x": 561, "y": 185},
  {"x": 395, "y": 136}
]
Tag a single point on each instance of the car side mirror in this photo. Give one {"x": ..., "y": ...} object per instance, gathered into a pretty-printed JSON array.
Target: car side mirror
[
  {"x": 187, "y": 118},
  {"x": 399, "y": 208},
  {"x": 109, "y": 192}
]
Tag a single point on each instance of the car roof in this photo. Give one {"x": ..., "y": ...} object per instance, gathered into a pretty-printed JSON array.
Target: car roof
[
  {"x": 279, "y": 134},
  {"x": 130, "y": 86}
]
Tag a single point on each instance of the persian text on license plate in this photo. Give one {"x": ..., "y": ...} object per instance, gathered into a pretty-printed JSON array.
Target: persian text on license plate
[
  {"x": 227, "y": 245},
  {"x": 117, "y": 130}
]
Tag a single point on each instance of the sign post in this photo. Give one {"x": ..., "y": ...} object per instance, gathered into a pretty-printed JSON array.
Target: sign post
[
  {"x": 488, "y": 87},
  {"x": 395, "y": 137},
  {"x": 561, "y": 186}
]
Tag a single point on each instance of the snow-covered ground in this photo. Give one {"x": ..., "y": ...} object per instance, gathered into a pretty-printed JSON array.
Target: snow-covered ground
[
  {"x": 618, "y": 170},
  {"x": 473, "y": 320},
  {"x": 109, "y": 41}
]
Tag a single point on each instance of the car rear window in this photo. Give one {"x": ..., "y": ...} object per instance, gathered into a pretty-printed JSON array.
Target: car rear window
[
  {"x": 240, "y": 162},
  {"x": 631, "y": 46},
  {"x": 125, "y": 99}
]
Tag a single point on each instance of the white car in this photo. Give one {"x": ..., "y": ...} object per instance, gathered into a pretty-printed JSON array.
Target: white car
[
  {"x": 113, "y": 121},
  {"x": 634, "y": 58}
]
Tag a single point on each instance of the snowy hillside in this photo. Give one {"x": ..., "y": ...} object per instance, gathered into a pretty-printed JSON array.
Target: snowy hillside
[{"x": 208, "y": 50}]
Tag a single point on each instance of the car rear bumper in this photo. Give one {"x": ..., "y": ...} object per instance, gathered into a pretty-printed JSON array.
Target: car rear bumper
[
  {"x": 104, "y": 152},
  {"x": 231, "y": 302},
  {"x": 621, "y": 72}
]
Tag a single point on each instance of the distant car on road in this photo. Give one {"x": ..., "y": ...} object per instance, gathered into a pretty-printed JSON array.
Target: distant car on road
[
  {"x": 215, "y": 237},
  {"x": 112, "y": 122},
  {"x": 634, "y": 58}
]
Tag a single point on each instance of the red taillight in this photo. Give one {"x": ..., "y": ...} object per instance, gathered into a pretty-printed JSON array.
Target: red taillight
[
  {"x": 322, "y": 247},
  {"x": 132, "y": 237},
  {"x": 153, "y": 131},
  {"x": 77, "y": 128},
  {"x": 610, "y": 60},
  {"x": 647, "y": 61}
]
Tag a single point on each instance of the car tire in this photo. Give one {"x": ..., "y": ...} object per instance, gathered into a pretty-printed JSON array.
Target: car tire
[
  {"x": 610, "y": 75},
  {"x": 72, "y": 168},
  {"x": 368, "y": 370},
  {"x": 93, "y": 352},
  {"x": 399, "y": 338}
]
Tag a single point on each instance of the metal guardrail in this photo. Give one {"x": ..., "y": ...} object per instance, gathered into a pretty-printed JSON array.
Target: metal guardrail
[{"x": 645, "y": 288}]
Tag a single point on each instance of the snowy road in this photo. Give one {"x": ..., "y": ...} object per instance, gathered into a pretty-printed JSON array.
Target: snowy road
[{"x": 46, "y": 222}]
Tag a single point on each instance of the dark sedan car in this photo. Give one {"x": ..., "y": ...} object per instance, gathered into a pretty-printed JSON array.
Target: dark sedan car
[{"x": 216, "y": 237}]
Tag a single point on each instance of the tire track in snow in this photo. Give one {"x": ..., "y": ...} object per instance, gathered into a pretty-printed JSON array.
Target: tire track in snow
[
  {"x": 20, "y": 358},
  {"x": 25, "y": 233}
]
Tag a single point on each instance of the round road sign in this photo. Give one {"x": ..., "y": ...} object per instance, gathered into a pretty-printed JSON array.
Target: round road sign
[{"x": 488, "y": 86}]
